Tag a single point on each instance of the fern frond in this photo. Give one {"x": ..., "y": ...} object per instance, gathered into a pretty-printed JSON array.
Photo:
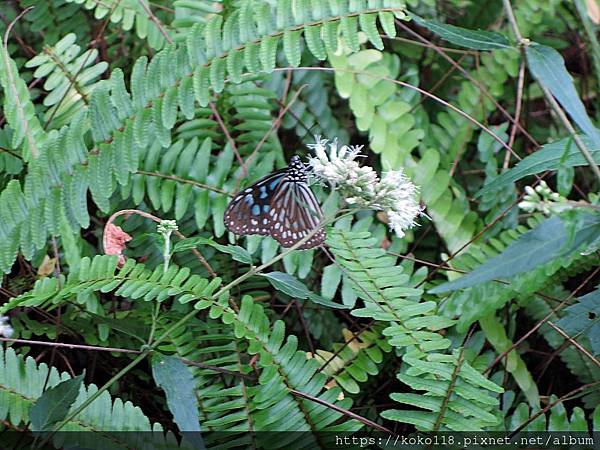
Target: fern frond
[
  {"x": 457, "y": 396},
  {"x": 130, "y": 14},
  {"x": 132, "y": 281},
  {"x": 384, "y": 111},
  {"x": 27, "y": 132},
  {"x": 284, "y": 368},
  {"x": 225, "y": 401},
  {"x": 557, "y": 419},
  {"x": 21, "y": 384},
  {"x": 53, "y": 19},
  {"x": 353, "y": 362},
  {"x": 122, "y": 125},
  {"x": 387, "y": 293},
  {"x": 70, "y": 78}
]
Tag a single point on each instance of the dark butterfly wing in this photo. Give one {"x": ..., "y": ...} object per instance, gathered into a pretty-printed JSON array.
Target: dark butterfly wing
[
  {"x": 280, "y": 205},
  {"x": 247, "y": 213},
  {"x": 294, "y": 213}
]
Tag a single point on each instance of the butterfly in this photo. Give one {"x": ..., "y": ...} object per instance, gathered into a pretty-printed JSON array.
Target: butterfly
[{"x": 280, "y": 205}]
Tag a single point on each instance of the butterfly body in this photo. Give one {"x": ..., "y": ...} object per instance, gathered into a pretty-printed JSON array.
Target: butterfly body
[{"x": 280, "y": 205}]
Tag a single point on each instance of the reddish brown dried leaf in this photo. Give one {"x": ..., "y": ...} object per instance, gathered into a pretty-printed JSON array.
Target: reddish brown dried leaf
[{"x": 114, "y": 241}]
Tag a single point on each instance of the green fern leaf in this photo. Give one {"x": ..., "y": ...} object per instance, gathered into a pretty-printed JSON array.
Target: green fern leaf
[
  {"x": 312, "y": 34},
  {"x": 291, "y": 47},
  {"x": 201, "y": 85},
  {"x": 217, "y": 75},
  {"x": 268, "y": 53},
  {"x": 169, "y": 108},
  {"x": 349, "y": 25},
  {"x": 368, "y": 24},
  {"x": 19, "y": 110},
  {"x": 22, "y": 384},
  {"x": 386, "y": 19}
]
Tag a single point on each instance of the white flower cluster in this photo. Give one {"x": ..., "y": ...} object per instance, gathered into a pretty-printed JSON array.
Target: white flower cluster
[
  {"x": 5, "y": 329},
  {"x": 394, "y": 193},
  {"x": 543, "y": 199}
]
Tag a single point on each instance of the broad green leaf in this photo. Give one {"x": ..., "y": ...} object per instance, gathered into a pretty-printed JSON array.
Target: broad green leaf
[
  {"x": 54, "y": 404},
  {"x": 475, "y": 39},
  {"x": 563, "y": 153},
  {"x": 584, "y": 317},
  {"x": 238, "y": 253},
  {"x": 547, "y": 241},
  {"x": 496, "y": 334},
  {"x": 548, "y": 68},
  {"x": 291, "y": 286},
  {"x": 175, "y": 378}
]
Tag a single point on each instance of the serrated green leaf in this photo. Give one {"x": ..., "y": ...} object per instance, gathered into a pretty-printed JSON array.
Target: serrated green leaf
[
  {"x": 477, "y": 40},
  {"x": 289, "y": 285},
  {"x": 547, "y": 241},
  {"x": 548, "y": 67},
  {"x": 176, "y": 380},
  {"x": 238, "y": 253},
  {"x": 584, "y": 318},
  {"x": 563, "y": 153},
  {"x": 54, "y": 404}
]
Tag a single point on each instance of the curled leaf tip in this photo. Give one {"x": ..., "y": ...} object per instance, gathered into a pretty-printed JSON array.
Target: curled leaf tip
[{"x": 114, "y": 241}]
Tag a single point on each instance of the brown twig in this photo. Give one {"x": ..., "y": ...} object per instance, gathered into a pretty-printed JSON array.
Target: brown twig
[
  {"x": 185, "y": 181},
  {"x": 551, "y": 405},
  {"x": 157, "y": 22},
  {"x": 541, "y": 322},
  {"x": 120, "y": 350},
  {"x": 345, "y": 412},
  {"x": 71, "y": 346},
  {"x": 215, "y": 112},
  {"x": 477, "y": 83},
  {"x": 519, "y": 104},
  {"x": 550, "y": 98},
  {"x": 576, "y": 344},
  {"x": 10, "y": 152}
]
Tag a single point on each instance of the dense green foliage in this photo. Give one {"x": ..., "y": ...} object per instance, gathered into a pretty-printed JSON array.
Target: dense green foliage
[{"x": 486, "y": 317}]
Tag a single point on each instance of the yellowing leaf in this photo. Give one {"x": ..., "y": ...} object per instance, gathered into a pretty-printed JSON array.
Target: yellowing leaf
[{"x": 47, "y": 266}]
